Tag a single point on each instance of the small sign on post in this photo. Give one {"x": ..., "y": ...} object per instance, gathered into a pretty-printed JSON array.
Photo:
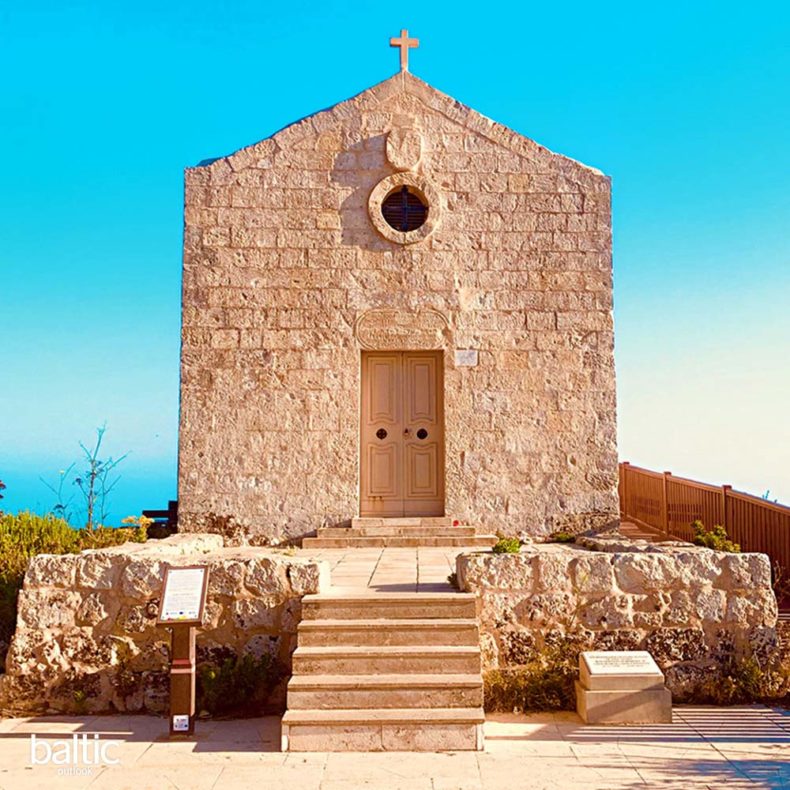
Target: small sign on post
[{"x": 183, "y": 603}]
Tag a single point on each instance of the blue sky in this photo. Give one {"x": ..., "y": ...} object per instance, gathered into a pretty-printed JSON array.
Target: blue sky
[{"x": 685, "y": 105}]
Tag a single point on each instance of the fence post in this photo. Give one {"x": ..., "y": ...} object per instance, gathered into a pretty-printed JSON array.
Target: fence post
[
  {"x": 665, "y": 503},
  {"x": 724, "y": 491},
  {"x": 624, "y": 495}
]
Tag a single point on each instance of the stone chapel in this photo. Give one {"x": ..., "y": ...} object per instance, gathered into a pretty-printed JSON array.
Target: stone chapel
[
  {"x": 396, "y": 307},
  {"x": 397, "y": 314}
]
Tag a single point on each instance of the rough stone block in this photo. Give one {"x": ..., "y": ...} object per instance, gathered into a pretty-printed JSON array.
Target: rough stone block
[
  {"x": 53, "y": 570},
  {"x": 640, "y": 572},
  {"x": 745, "y": 571},
  {"x": 97, "y": 570},
  {"x": 142, "y": 578}
]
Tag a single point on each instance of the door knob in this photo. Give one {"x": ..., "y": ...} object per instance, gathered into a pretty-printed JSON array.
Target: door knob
[{"x": 407, "y": 431}]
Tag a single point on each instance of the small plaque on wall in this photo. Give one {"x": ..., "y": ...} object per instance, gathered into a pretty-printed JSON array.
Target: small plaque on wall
[
  {"x": 466, "y": 358},
  {"x": 183, "y": 595}
]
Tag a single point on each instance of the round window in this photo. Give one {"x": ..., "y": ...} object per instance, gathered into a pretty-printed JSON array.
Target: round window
[{"x": 404, "y": 210}]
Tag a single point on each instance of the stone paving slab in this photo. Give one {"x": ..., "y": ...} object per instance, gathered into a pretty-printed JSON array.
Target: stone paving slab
[{"x": 730, "y": 748}]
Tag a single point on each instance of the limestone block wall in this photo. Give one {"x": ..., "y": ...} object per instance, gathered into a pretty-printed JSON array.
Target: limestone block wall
[
  {"x": 87, "y": 640},
  {"x": 690, "y": 607},
  {"x": 283, "y": 266}
]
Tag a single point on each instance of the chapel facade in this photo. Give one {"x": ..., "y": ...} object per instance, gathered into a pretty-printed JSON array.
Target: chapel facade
[{"x": 396, "y": 307}]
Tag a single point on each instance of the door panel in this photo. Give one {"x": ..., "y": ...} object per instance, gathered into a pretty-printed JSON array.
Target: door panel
[
  {"x": 421, "y": 389},
  {"x": 384, "y": 468},
  {"x": 421, "y": 467},
  {"x": 384, "y": 391},
  {"x": 402, "y": 434}
]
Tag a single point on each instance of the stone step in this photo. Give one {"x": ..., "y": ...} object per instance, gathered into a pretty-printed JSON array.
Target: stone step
[
  {"x": 392, "y": 531},
  {"x": 324, "y": 692},
  {"x": 409, "y": 521},
  {"x": 398, "y": 606},
  {"x": 409, "y": 729},
  {"x": 386, "y": 659},
  {"x": 397, "y": 541},
  {"x": 430, "y": 631}
]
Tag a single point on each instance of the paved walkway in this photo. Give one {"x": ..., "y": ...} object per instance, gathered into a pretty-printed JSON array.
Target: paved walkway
[
  {"x": 731, "y": 748},
  {"x": 382, "y": 570}
]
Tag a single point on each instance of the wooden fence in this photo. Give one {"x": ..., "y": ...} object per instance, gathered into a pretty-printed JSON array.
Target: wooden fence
[{"x": 670, "y": 504}]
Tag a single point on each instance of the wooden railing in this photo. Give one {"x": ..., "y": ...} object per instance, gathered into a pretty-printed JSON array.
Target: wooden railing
[{"x": 670, "y": 504}]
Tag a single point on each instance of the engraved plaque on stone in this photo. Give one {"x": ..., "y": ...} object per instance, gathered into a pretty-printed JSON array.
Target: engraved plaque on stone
[
  {"x": 386, "y": 329},
  {"x": 619, "y": 669}
]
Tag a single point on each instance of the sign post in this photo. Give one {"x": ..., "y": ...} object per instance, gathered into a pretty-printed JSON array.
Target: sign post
[{"x": 183, "y": 603}]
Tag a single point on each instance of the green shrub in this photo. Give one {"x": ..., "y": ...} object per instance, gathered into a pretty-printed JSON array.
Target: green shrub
[
  {"x": 507, "y": 546},
  {"x": 545, "y": 683},
  {"x": 238, "y": 686},
  {"x": 743, "y": 679},
  {"x": 715, "y": 538},
  {"x": 25, "y": 535},
  {"x": 561, "y": 537}
]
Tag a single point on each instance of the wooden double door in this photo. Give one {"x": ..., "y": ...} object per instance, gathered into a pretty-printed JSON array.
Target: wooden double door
[{"x": 402, "y": 434}]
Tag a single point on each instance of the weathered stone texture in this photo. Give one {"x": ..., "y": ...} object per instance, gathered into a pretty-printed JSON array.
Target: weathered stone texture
[
  {"x": 87, "y": 622},
  {"x": 280, "y": 261},
  {"x": 692, "y": 608}
]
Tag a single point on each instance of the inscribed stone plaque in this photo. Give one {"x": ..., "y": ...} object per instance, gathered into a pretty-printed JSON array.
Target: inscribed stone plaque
[
  {"x": 384, "y": 329},
  {"x": 184, "y": 595},
  {"x": 619, "y": 670}
]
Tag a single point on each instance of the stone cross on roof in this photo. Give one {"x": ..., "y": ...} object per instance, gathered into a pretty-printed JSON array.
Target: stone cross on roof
[{"x": 405, "y": 43}]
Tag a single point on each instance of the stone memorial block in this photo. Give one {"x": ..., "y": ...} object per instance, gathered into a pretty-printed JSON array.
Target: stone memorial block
[{"x": 621, "y": 687}]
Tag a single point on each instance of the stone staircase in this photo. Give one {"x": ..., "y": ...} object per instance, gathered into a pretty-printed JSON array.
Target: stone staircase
[
  {"x": 399, "y": 533},
  {"x": 386, "y": 672}
]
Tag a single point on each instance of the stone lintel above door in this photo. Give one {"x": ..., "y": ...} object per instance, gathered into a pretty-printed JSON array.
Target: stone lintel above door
[{"x": 391, "y": 329}]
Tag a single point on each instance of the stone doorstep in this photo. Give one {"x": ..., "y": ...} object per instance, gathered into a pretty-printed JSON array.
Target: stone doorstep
[
  {"x": 389, "y": 606},
  {"x": 478, "y": 541},
  {"x": 422, "y": 730},
  {"x": 641, "y": 706},
  {"x": 438, "y": 631},
  {"x": 408, "y": 521},
  {"x": 322, "y": 692},
  {"x": 453, "y": 659},
  {"x": 395, "y": 531}
]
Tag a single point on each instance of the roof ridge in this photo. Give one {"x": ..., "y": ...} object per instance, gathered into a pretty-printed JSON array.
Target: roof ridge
[{"x": 433, "y": 98}]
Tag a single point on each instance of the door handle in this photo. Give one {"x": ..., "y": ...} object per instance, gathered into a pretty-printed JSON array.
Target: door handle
[{"x": 407, "y": 431}]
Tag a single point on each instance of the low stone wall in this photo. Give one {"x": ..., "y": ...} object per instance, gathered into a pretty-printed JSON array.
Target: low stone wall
[
  {"x": 690, "y": 607},
  {"x": 87, "y": 640}
]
